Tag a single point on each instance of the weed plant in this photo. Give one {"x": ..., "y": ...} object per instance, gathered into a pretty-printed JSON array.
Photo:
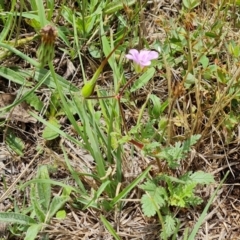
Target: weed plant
[{"x": 187, "y": 81}]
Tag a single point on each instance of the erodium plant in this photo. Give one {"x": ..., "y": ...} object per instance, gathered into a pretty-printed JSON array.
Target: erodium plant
[{"x": 164, "y": 191}]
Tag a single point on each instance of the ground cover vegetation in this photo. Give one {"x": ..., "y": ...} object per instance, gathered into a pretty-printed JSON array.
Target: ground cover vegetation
[{"x": 119, "y": 119}]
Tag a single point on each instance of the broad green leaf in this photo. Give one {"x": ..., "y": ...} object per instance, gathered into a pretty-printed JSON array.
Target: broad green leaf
[
  {"x": 15, "y": 143},
  {"x": 146, "y": 77},
  {"x": 10, "y": 217},
  {"x": 44, "y": 189},
  {"x": 158, "y": 193},
  {"x": 148, "y": 205},
  {"x": 49, "y": 181},
  {"x": 56, "y": 204},
  {"x": 33, "y": 231},
  {"x": 36, "y": 204},
  {"x": 201, "y": 177},
  {"x": 35, "y": 102},
  {"x": 204, "y": 61},
  {"x": 61, "y": 214},
  {"x": 14, "y": 76},
  {"x": 190, "y": 4},
  {"x": 155, "y": 110},
  {"x": 48, "y": 132},
  {"x": 170, "y": 226},
  {"x": 155, "y": 197},
  {"x": 94, "y": 51}
]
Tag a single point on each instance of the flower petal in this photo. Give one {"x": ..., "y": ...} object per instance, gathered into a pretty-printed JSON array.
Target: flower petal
[
  {"x": 143, "y": 57},
  {"x": 153, "y": 55},
  {"x": 145, "y": 63},
  {"x": 129, "y": 56},
  {"x": 133, "y": 55}
]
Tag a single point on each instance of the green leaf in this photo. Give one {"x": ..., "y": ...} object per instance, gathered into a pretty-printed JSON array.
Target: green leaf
[
  {"x": 198, "y": 224},
  {"x": 34, "y": 101},
  {"x": 127, "y": 189},
  {"x": 15, "y": 143},
  {"x": 61, "y": 214},
  {"x": 48, "y": 181},
  {"x": 33, "y": 231},
  {"x": 174, "y": 154},
  {"x": 94, "y": 51},
  {"x": 155, "y": 198},
  {"x": 39, "y": 74},
  {"x": 98, "y": 193},
  {"x": 109, "y": 228},
  {"x": 191, "y": 141},
  {"x": 147, "y": 76},
  {"x": 158, "y": 107},
  {"x": 14, "y": 76},
  {"x": 9, "y": 217},
  {"x": 48, "y": 132},
  {"x": 36, "y": 204},
  {"x": 115, "y": 6},
  {"x": 201, "y": 177},
  {"x": 190, "y": 4},
  {"x": 56, "y": 204},
  {"x": 204, "y": 61},
  {"x": 148, "y": 206},
  {"x": 170, "y": 225},
  {"x": 176, "y": 200},
  {"x": 44, "y": 189}
]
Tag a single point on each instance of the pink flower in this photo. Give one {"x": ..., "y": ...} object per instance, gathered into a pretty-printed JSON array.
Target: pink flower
[{"x": 143, "y": 57}]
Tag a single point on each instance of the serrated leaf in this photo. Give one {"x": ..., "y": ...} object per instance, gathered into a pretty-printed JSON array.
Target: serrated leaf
[
  {"x": 33, "y": 231},
  {"x": 156, "y": 192},
  {"x": 191, "y": 141},
  {"x": 187, "y": 190},
  {"x": 176, "y": 200},
  {"x": 201, "y": 177},
  {"x": 170, "y": 226},
  {"x": 148, "y": 206},
  {"x": 9, "y": 217},
  {"x": 170, "y": 223},
  {"x": 154, "y": 198},
  {"x": 34, "y": 101},
  {"x": 48, "y": 132}
]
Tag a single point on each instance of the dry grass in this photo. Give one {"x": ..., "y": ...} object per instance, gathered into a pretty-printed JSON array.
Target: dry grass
[{"x": 214, "y": 154}]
